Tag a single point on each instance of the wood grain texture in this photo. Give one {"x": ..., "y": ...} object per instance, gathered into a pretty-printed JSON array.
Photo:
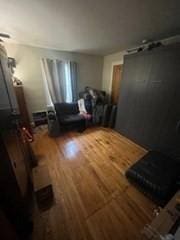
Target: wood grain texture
[
  {"x": 19, "y": 91},
  {"x": 93, "y": 199},
  {"x": 116, "y": 78}
]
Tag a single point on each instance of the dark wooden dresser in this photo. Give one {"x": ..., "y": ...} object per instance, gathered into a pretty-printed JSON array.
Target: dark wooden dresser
[{"x": 15, "y": 168}]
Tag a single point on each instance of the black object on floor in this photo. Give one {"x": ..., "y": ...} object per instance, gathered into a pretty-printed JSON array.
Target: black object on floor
[
  {"x": 106, "y": 115},
  {"x": 113, "y": 116},
  {"x": 156, "y": 175}
]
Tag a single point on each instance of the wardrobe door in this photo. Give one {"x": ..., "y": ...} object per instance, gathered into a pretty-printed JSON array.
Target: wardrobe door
[
  {"x": 148, "y": 109},
  {"x": 165, "y": 85},
  {"x": 132, "y": 104},
  {"x": 17, "y": 156},
  {"x": 4, "y": 103},
  {"x": 12, "y": 203}
]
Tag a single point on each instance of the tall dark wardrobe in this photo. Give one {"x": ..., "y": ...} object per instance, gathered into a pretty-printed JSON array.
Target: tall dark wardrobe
[
  {"x": 15, "y": 176},
  {"x": 149, "y": 100}
]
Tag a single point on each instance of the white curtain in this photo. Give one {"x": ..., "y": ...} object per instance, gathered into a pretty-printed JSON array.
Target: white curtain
[{"x": 60, "y": 80}]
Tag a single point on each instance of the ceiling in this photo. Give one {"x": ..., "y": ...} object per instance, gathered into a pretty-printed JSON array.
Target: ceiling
[{"x": 89, "y": 26}]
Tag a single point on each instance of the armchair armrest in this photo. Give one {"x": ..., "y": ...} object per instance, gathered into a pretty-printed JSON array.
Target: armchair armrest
[
  {"x": 51, "y": 115},
  {"x": 53, "y": 124}
]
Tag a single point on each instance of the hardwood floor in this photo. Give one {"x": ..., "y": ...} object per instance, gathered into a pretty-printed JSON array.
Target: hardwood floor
[{"x": 93, "y": 199}]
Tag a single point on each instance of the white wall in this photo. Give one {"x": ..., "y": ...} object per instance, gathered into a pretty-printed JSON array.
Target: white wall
[
  {"x": 28, "y": 70},
  {"x": 109, "y": 61}
]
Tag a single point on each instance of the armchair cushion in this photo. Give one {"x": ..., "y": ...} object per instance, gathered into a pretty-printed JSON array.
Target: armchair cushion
[
  {"x": 66, "y": 109},
  {"x": 73, "y": 118}
]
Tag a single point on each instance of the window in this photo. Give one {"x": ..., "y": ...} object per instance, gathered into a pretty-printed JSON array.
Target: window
[{"x": 60, "y": 80}]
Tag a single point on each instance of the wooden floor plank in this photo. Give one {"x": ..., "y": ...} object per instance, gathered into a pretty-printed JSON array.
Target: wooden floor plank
[{"x": 93, "y": 199}]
